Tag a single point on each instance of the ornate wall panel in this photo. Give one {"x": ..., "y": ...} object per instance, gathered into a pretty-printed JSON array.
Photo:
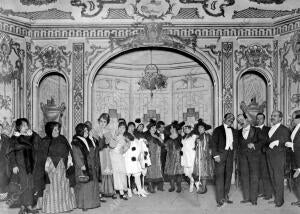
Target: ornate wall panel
[
  {"x": 275, "y": 74},
  {"x": 78, "y": 82},
  {"x": 227, "y": 73}
]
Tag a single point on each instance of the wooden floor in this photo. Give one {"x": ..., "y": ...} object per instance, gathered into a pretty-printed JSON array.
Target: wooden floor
[{"x": 184, "y": 203}]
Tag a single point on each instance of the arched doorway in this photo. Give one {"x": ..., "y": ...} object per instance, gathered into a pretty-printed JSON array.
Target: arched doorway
[
  {"x": 254, "y": 93},
  {"x": 50, "y": 101},
  {"x": 188, "y": 96}
]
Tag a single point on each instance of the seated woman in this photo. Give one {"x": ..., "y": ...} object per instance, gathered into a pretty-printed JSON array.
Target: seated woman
[
  {"x": 22, "y": 161},
  {"x": 119, "y": 146},
  {"x": 58, "y": 195},
  {"x": 87, "y": 186},
  {"x": 203, "y": 168}
]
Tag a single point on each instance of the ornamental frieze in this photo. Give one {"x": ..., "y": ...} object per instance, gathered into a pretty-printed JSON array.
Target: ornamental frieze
[{"x": 255, "y": 55}]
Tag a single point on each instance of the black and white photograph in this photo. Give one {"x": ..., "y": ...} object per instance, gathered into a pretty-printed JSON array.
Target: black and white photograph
[{"x": 149, "y": 106}]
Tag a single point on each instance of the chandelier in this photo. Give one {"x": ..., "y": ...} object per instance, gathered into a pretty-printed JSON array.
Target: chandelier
[{"x": 152, "y": 78}]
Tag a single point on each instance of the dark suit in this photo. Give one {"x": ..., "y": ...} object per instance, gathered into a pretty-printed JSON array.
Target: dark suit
[
  {"x": 296, "y": 162},
  {"x": 249, "y": 163},
  {"x": 223, "y": 169},
  {"x": 4, "y": 169},
  {"x": 276, "y": 161},
  {"x": 264, "y": 175}
]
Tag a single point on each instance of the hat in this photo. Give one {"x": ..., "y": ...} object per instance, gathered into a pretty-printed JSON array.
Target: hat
[
  {"x": 138, "y": 122},
  {"x": 151, "y": 124},
  {"x": 201, "y": 123}
]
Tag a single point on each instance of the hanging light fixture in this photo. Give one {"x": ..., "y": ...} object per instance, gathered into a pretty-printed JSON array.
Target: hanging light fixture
[{"x": 152, "y": 78}]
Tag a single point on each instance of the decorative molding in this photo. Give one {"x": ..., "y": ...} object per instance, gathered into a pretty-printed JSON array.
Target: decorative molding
[
  {"x": 254, "y": 55},
  {"x": 275, "y": 74},
  {"x": 190, "y": 112},
  {"x": 78, "y": 80},
  {"x": 268, "y": 1},
  {"x": 213, "y": 53},
  {"x": 117, "y": 13},
  {"x": 90, "y": 56},
  {"x": 52, "y": 13},
  {"x": 28, "y": 81},
  {"x": 36, "y": 2},
  {"x": 256, "y": 13},
  {"x": 93, "y": 7},
  {"x": 151, "y": 114},
  {"x": 153, "y": 34},
  {"x": 158, "y": 9},
  {"x": 51, "y": 57},
  {"x": 227, "y": 71},
  {"x": 212, "y": 7},
  {"x": 188, "y": 13}
]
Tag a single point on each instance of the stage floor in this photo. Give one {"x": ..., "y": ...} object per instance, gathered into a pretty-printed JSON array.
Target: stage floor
[{"x": 183, "y": 203}]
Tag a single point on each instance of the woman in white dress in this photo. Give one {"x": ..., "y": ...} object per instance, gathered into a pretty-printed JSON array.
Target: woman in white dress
[
  {"x": 188, "y": 154},
  {"x": 119, "y": 146}
]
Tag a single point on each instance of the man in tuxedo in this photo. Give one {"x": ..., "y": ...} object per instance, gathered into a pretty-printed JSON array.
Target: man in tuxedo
[
  {"x": 295, "y": 146},
  {"x": 278, "y": 136},
  {"x": 223, "y": 144},
  {"x": 248, "y": 154},
  {"x": 264, "y": 175}
]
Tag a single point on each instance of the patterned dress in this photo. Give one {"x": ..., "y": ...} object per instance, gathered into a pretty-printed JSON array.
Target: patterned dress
[
  {"x": 58, "y": 195},
  {"x": 173, "y": 162},
  {"x": 154, "y": 173},
  {"x": 203, "y": 161},
  {"x": 132, "y": 156}
]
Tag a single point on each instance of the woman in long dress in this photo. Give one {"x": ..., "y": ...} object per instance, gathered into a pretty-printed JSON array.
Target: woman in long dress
[
  {"x": 154, "y": 173},
  {"x": 119, "y": 145},
  {"x": 173, "y": 168},
  {"x": 188, "y": 154},
  {"x": 84, "y": 151},
  {"x": 59, "y": 195},
  {"x": 203, "y": 168},
  {"x": 22, "y": 158},
  {"x": 4, "y": 169},
  {"x": 104, "y": 136}
]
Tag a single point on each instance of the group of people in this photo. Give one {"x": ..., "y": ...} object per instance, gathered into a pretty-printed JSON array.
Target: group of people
[
  {"x": 262, "y": 155},
  {"x": 53, "y": 175}
]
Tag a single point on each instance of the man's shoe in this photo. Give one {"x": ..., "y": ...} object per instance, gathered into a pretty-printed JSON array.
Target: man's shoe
[
  {"x": 279, "y": 205},
  {"x": 245, "y": 201},
  {"x": 267, "y": 197},
  {"x": 220, "y": 204},
  {"x": 228, "y": 201},
  {"x": 296, "y": 203},
  {"x": 254, "y": 203},
  {"x": 271, "y": 202},
  {"x": 261, "y": 195}
]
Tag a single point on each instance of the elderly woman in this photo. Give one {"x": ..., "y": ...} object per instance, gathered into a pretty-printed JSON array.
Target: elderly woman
[
  {"x": 22, "y": 160},
  {"x": 59, "y": 171},
  {"x": 87, "y": 187},
  {"x": 154, "y": 174},
  {"x": 203, "y": 167}
]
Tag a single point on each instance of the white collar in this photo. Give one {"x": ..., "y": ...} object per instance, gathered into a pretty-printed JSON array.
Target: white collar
[
  {"x": 276, "y": 125},
  {"x": 84, "y": 142},
  {"x": 261, "y": 126},
  {"x": 92, "y": 139},
  {"x": 247, "y": 127}
]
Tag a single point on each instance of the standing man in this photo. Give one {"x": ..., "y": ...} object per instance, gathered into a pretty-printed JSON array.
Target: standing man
[
  {"x": 295, "y": 146},
  {"x": 223, "y": 144},
  {"x": 278, "y": 136},
  {"x": 264, "y": 175},
  {"x": 249, "y": 154}
]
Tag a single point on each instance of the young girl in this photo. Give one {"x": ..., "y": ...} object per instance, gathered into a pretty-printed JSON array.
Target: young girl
[
  {"x": 119, "y": 146},
  {"x": 133, "y": 166},
  {"x": 188, "y": 154}
]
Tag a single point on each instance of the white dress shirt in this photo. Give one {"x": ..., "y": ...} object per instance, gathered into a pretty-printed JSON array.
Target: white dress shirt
[
  {"x": 295, "y": 132},
  {"x": 229, "y": 137},
  {"x": 273, "y": 129},
  {"x": 261, "y": 126},
  {"x": 245, "y": 132}
]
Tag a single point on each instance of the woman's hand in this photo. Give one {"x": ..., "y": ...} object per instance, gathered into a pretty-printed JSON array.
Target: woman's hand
[{"x": 83, "y": 168}]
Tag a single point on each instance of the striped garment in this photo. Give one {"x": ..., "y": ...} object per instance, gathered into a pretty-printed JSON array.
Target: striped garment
[{"x": 58, "y": 196}]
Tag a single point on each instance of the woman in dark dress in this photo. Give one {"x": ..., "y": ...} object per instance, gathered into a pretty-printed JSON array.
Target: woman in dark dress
[
  {"x": 58, "y": 171},
  {"x": 84, "y": 151},
  {"x": 173, "y": 168},
  {"x": 154, "y": 173},
  {"x": 4, "y": 170},
  {"x": 22, "y": 158}
]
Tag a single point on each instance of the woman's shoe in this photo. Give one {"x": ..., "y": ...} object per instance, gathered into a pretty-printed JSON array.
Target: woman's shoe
[
  {"x": 84, "y": 209},
  {"x": 124, "y": 197},
  {"x": 141, "y": 194},
  {"x": 197, "y": 184},
  {"x": 144, "y": 191},
  {"x": 114, "y": 196},
  {"x": 191, "y": 187}
]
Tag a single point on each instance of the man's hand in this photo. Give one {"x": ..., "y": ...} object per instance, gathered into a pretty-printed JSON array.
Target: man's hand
[
  {"x": 15, "y": 170},
  {"x": 83, "y": 168},
  {"x": 274, "y": 143},
  {"x": 296, "y": 174},
  {"x": 251, "y": 146},
  {"x": 217, "y": 158}
]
